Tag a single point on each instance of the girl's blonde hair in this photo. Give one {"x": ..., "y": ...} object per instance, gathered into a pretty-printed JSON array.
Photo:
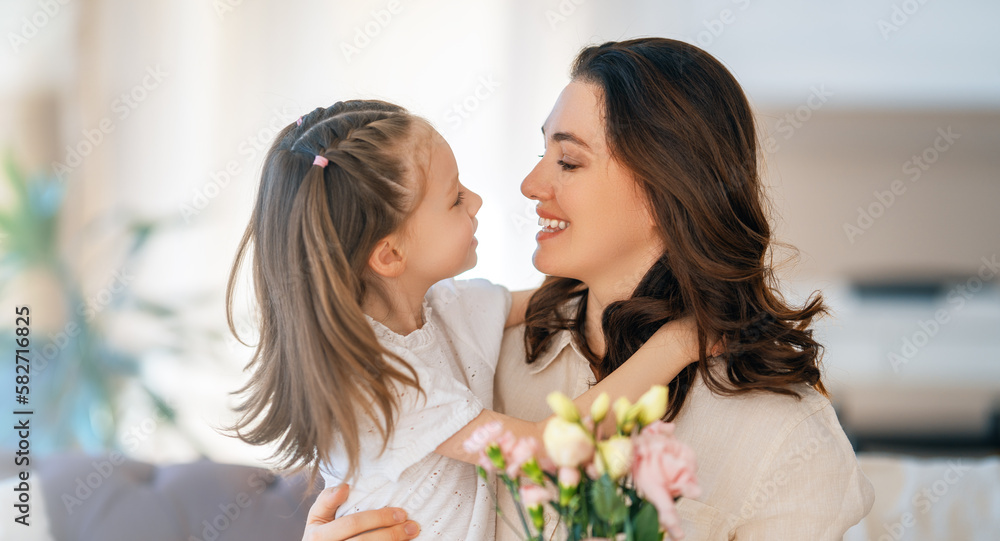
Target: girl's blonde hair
[{"x": 318, "y": 368}]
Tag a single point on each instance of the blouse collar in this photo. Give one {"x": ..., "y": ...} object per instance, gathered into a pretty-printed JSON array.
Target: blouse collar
[
  {"x": 560, "y": 341},
  {"x": 416, "y": 339}
]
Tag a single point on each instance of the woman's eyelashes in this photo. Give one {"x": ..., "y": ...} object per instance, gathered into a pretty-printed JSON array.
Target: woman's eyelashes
[
  {"x": 564, "y": 163},
  {"x": 566, "y": 166},
  {"x": 460, "y": 198}
]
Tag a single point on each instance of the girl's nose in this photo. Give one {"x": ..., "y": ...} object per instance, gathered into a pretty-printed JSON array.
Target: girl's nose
[{"x": 475, "y": 203}]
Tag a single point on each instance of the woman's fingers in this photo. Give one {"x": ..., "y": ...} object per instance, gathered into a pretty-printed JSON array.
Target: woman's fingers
[
  {"x": 406, "y": 530},
  {"x": 355, "y": 524},
  {"x": 324, "y": 509},
  {"x": 387, "y": 524}
]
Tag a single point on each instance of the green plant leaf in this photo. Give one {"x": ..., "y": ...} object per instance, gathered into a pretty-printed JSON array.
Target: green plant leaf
[
  {"x": 162, "y": 408},
  {"x": 15, "y": 177},
  {"x": 647, "y": 524},
  {"x": 608, "y": 505},
  {"x": 156, "y": 309},
  {"x": 141, "y": 232}
]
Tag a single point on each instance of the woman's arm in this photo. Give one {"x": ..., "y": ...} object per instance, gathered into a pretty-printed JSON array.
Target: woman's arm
[
  {"x": 808, "y": 486},
  {"x": 657, "y": 362}
]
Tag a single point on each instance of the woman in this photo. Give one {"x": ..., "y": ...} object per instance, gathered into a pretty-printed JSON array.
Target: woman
[{"x": 651, "y": 161}]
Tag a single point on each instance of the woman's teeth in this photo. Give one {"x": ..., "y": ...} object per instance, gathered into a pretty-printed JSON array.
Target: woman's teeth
[{"x": 552, "y": 225}]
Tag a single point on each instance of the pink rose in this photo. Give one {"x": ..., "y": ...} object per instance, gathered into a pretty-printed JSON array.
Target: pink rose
[
  {"x": 659, "y": 427},
  {"x": 533, "y": 495},
  {"x": 664, "y": 469}
]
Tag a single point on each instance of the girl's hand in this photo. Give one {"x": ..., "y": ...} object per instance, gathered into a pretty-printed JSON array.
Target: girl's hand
[
  {"x": 388, "y": 524},
  {"x": 682, "y": 335}
]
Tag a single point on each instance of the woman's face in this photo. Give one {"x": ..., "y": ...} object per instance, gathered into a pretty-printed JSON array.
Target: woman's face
[{"x": 595, "y": 224}]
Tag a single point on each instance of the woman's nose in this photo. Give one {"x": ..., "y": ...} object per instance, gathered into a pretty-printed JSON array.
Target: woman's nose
[{"x": 536, "y": 185}]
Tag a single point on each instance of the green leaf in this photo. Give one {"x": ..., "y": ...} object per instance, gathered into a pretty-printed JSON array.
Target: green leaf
[
  {"x": 141, "y": 232},
  {"x": 647, "y": 524},
  {"x": 164, "y": 409},
  {"x": 156, "y": 309},
  {"x": 14, "y": 176},
  {"x": 608, "y": 505}
]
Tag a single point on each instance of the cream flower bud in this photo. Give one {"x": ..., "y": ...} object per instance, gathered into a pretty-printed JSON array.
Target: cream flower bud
[
  {"x": 600, "y": 408},
  {"x": 614, "y": 457},
  {"x": 567, "y": 443},
  {"x": 563, "y": 407},
  {"x": 620, "y": 408},
  {"x": 652, "y": 405}
]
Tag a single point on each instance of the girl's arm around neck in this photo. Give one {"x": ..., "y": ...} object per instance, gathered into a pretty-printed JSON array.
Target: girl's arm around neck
[
  {"x": 518, "y": 306},
  {"x": 657, "y": 362}
]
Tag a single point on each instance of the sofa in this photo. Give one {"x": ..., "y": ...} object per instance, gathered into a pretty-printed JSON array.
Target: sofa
[{"x": 77, "y": 497}]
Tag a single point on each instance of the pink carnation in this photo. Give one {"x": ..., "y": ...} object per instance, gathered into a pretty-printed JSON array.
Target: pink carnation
[
  {"x": 663, "y": 470},
  {"x": 519, "y": 453},
  {"x": 533, "y": 495},
  {"x": 482, "y": 437},
  {"x": 569, "y": 477},
  {"x": 506, "y": 443}
]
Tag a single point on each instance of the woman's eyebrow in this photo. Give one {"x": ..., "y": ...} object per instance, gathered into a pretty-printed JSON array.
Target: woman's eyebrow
[{"x": 566, "y": 136}]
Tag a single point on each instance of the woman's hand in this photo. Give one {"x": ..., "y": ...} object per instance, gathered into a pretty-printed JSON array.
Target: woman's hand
[{"x": 388, "y": 524}]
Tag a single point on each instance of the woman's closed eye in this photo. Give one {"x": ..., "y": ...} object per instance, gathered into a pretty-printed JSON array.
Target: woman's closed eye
[
  {"x": 460, "y": 198},
  {"x": 566, "y": 166}
]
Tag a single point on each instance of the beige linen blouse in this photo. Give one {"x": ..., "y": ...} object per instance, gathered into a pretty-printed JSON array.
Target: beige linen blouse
[{"x": 771, "y": 467}]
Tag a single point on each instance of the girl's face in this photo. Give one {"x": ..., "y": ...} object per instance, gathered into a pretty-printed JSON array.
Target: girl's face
[
  {"x": 596, "y": 226},
  {"x": 440, "y": 234}
]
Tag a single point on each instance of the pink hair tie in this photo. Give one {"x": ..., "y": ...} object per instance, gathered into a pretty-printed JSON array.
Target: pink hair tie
[
  {"x": 320, "y": 161},
  {"x": 298, "y": 122}
]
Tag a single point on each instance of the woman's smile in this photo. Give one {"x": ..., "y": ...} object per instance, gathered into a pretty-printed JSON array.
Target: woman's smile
[{"x": 551, "y": 225}]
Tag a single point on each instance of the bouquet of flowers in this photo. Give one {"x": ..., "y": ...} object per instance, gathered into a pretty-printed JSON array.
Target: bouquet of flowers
[{"x": 623, "y": 486}]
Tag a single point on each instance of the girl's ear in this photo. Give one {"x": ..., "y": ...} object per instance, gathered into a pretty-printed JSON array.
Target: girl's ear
[{"x": 387, "y": 259}]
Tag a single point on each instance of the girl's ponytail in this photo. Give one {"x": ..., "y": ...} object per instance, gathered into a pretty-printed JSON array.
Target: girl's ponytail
[{"x": 333, "y": 186}]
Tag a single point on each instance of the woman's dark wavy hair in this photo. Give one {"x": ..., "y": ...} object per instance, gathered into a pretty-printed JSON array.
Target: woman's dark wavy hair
[{"x": 680, "y": 123}]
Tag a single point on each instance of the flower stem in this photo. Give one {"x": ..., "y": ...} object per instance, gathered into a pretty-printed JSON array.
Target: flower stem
[{"x": 516, "y": 495}]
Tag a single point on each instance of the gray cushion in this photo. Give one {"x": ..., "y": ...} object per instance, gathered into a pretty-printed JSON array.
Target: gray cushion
[{"x": 109, "y": 498}]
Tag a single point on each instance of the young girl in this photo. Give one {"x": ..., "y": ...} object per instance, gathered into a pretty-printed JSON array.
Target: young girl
[{"x": 373, "y": 365}]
